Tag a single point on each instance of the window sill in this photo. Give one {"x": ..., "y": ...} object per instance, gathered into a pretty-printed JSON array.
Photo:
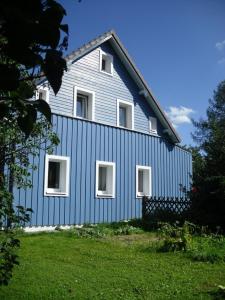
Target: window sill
[
  {"x": 56, "y": 194},
  {"x": 105, "y": 196},
  {"x": 106, "y": 73},
  {"x": 122, "y": 127},
  {"x": 85, "y": 119},
  {"x": 142, "y": 195}
]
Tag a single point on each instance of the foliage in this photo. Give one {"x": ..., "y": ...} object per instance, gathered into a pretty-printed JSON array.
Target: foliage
[
  {"x": 208, "y": 205},
  {"x": 8, "y": 256},
  {"x": 176, "y": 237},
  {"x": 31, "y": 48},
  {"x": 104, "y": 230},
  {"x": 60, "y": 266},
  {"x": 210, "y": 248},
  {"x": 16, "y": 159}
]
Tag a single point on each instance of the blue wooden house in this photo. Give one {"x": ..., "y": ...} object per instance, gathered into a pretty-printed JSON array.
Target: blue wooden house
[{"x": 117, "y": 144}]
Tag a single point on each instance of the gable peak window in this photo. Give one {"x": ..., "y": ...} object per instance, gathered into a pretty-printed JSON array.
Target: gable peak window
[
  {"x": 106, "y": 63},
  {"x": 84, "y": 101},
  {"x": 143, "y": 181},
  {"x": 153, "y": 125},
  {"x": 105, "y": 179},
  {"x": 56, "y": 175},
  {"x": 125, "y": 114}
]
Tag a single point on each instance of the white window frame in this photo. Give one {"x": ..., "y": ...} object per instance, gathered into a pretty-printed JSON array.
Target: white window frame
[
  {"x": 100, "y": 194},
  {"x": 91, "y": 102},
  {"x": 64, "y": 175},
  {"x": 146, "y": 183},
  {"x": 46, "y": 89},
  {"x": 130, "y": 114},
  {"x": 153, "y": 131},
  {"x": 110, "y": 60}
]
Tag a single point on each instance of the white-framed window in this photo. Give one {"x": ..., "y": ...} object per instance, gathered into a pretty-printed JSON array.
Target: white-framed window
[
  {"x": 105, "y": 179},
  {"x": 125, "y": 114},
  {"x": 57, "y": 170},
  {"x": 42, "y": 93},
  {"x": 153, "y": 125},
  {"x": 84, "y": 103},
  {"x": 143, "y": 181},
  {"x": 106, "y": 63}
]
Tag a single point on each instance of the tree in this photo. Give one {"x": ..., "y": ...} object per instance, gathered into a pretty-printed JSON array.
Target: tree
[
  {"x": 19, "y": 153},
  {"x": 209, "y": 163},
  {"x": 31, "y": 48}
]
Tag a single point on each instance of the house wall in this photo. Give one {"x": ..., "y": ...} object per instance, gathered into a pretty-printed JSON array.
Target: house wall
[
  {"x": 85, "y": 142},
  {"x": 85, "y": 73}
]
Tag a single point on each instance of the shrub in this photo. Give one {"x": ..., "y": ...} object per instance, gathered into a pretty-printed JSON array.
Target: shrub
[
  {"x": 176, "y": 237},
  {"x": 103, "y": 230},
  {"x": 208, "y": 249}
]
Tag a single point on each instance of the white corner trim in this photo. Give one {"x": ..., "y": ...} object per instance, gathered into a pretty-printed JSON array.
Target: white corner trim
[
  {"x": 127, "y": 104},
  {"x": 66, "y": 175},
  {"x": 101, "y": 52},
  {"x": 149, "y": 169},
  {"x": 90, "y": 94},
  {"x": 110, "y": 164}
]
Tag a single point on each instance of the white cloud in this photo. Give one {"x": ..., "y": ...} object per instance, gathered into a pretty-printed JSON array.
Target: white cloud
[
  {"x": 220, "y": 45},
  {"x": 221, "y": 61},
  {"x": 179, "y": 115}
]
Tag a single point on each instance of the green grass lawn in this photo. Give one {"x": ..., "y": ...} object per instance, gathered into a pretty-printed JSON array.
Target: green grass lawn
[{"x": 62, "y": 266}]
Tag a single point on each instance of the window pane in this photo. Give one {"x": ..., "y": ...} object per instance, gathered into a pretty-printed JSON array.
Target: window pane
[
  {"x": 103, "y": 64},
  {"x": 82, "y": 102},
  {"x": 53, "y": 174},
  {"x": 102, "y": 179},
  {"x": 140, "y": 181},
  {"x": 123, "y": 116}
]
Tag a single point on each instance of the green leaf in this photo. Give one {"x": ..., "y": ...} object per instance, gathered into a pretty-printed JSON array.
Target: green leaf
[
  {"x": 65, "y": 28},
  {"x": 26, "y": 123},
  {"x": 54, "y": 67},
  {"x": 43, "y": 107}
]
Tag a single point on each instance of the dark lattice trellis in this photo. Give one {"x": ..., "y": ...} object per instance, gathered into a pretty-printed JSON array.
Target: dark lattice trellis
[{"x": 163, "y": 207}]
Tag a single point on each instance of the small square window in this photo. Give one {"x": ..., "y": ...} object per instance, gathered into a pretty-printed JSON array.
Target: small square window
[
  {"x": 153, "y": 125},
  {"x": 84, "y": 103},
  {"x": 143, "y": 181},
  {"x": 106, "y": 63},
  {"x": 56, "y": 175},
  {"x": 125, "y": 114},
  {"x": 43, "y": 94},
  {"x": 105, "y": 179}
]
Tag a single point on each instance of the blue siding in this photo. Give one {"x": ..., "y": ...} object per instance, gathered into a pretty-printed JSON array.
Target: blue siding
[
  {"x": 85, "y": 73},
  {"x": 85, "y": 142}
]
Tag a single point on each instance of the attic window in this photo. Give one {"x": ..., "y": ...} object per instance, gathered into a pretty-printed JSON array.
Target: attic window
[
  {"x": 84, "y": 101},
  {"x": 106, "y": 63},
  {"x": 125, "y": 114},
  {"x": 153, "y": 125}
]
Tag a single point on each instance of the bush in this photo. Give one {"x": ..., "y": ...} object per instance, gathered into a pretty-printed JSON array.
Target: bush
[
  {"x": 103, "y": 230},
  {"x": 208, "y": 249},
  {"x": 176, "y": 237}
]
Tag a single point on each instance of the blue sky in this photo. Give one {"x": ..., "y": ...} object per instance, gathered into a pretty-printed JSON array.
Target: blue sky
[{"x": 178, "y": 45}]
